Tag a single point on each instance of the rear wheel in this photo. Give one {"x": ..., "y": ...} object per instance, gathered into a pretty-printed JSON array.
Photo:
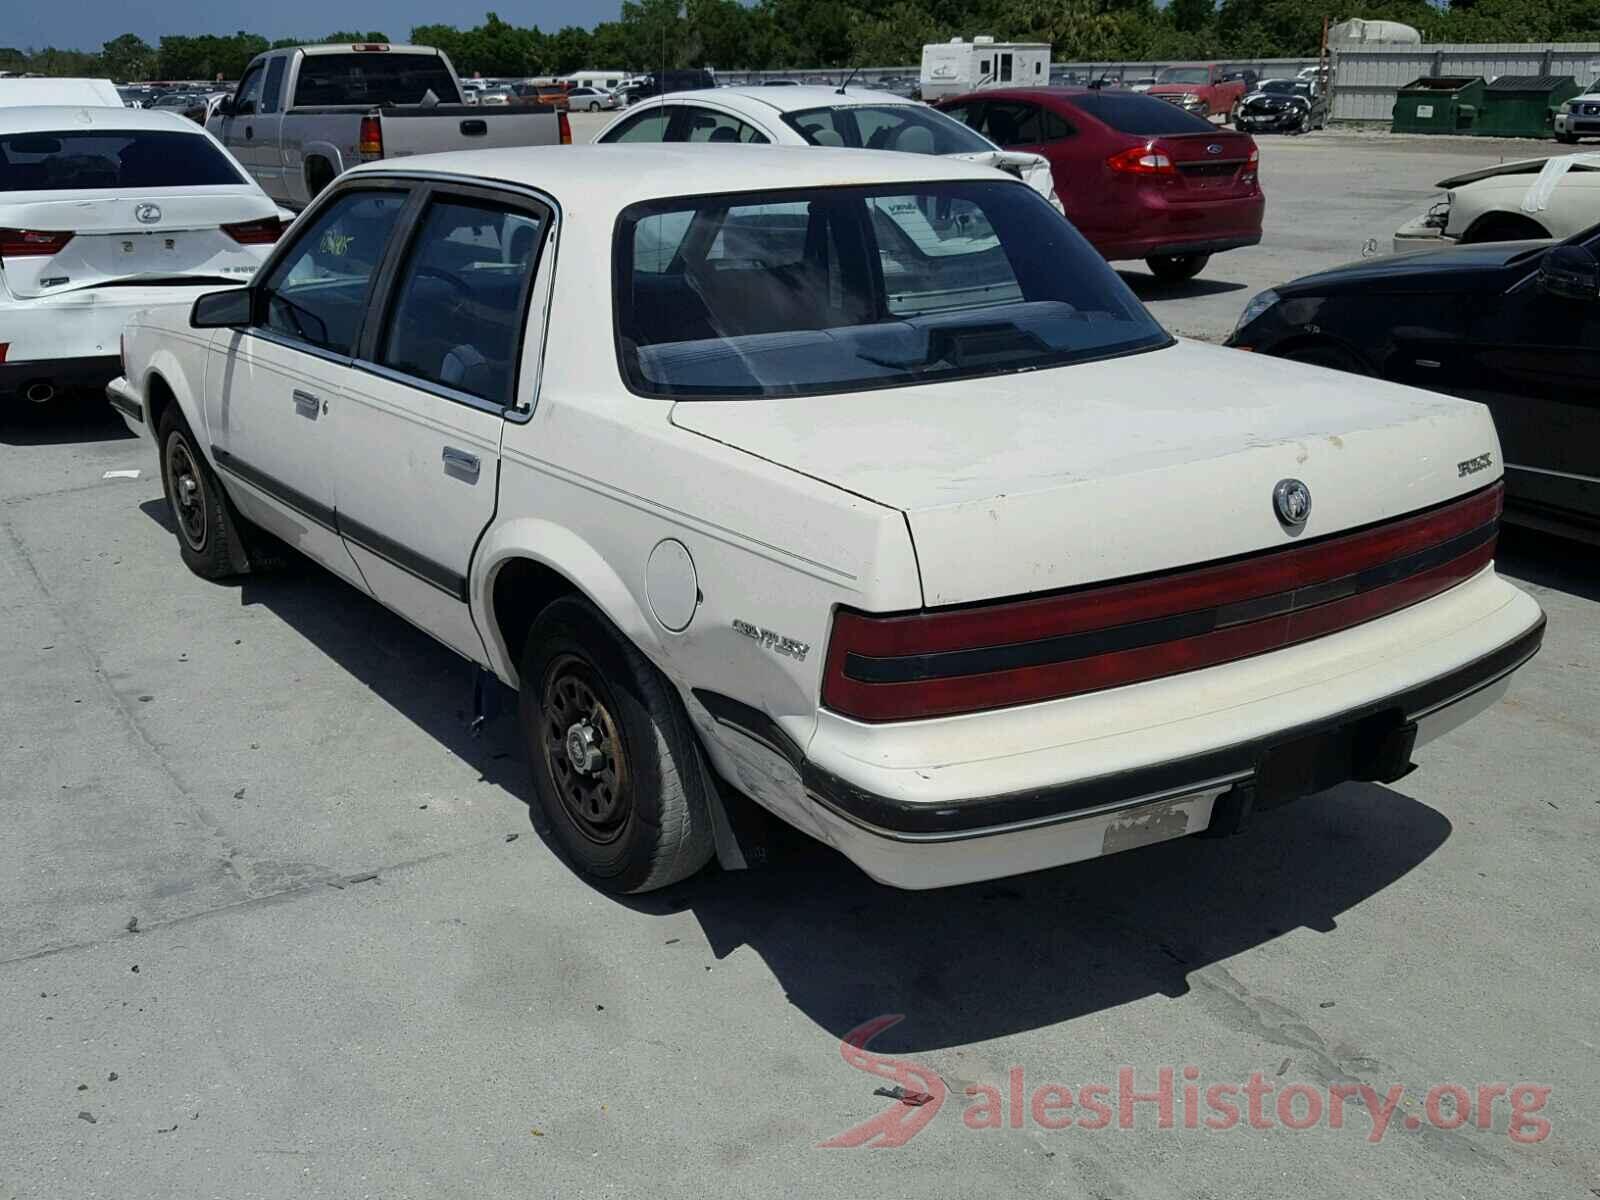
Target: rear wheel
[
  {"x": 594, "y": 106},
  {"x": 1176, "y": 268},
  {"x": 616, "y": 768}
]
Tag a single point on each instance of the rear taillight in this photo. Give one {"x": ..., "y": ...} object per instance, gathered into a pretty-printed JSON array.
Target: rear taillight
[
  {"x": 943, "y": 662},
  {"x": 566, "y": 128},
  {"x": 32, "y": 243},
  {"x": 1141, "y": 160},
  {"x": 255, "y": 233},
  {"x": 5, "y": 348},
  {"x": 369, "y": 142}
]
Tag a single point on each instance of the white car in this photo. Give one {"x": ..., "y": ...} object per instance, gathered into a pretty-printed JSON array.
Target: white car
[
  {"x": 873, "y": 492},
  {"x": 804, "y": 115},
  {"x": 1510, "y": 202},
  {"x": 104, "y": 211}
]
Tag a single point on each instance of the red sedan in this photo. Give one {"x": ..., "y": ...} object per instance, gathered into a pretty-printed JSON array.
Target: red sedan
[{"x": 1139, "y": 177}]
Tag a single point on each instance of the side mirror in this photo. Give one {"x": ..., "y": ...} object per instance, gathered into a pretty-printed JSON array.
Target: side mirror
[
  {"x": 1570, "y": 272},
  {"x": 222, "y": 310},
  {"x": 225, "y": 106}
]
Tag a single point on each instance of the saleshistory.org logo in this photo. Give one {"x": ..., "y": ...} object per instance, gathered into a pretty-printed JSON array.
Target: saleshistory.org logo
[{"x": 1176, "y": 1098}]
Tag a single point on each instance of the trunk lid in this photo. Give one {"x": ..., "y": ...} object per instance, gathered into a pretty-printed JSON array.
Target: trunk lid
[
  {"x": 179, "y": 236},
  {"x": 1032, "y": 169},
  {"x": 1042, "y": 480},
  {"x": 1211, "y": 166}
]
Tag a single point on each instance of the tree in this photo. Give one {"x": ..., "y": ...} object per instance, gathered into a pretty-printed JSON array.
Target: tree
[
  {"x": 1191, "y": 16},
  {"x": 128, "y": 57}
]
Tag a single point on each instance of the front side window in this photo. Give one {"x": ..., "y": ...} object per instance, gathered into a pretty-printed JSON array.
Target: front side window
[
  {"x": 249, "y": 93},
  {"x": 102, "y": 158},
  {"x": 844, "y": 289},
  {"x": 460, "y": 297},
  {"x": 909, "y": 128},
  {"x": 1013, "y": 123},
  {"x": 318, "y": 292}
]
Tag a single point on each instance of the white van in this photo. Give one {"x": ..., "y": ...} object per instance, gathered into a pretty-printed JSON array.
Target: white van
[
  {"x": 95, "y": 93},
  {"x": 950, "y": 68}
]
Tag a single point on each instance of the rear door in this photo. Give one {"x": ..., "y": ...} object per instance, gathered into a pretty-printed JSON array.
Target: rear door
[
  {"x": 274, "y": 389},
  {"x": 418, "y": 440}
]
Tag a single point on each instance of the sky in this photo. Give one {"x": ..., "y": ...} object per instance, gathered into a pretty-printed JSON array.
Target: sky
[{"x": 85, "y": 24}]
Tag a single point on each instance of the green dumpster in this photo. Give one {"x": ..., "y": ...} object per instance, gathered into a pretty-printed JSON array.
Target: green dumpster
[
  {"x": 1438, "y": 104},
  {"x": 1523, "y": 105}
]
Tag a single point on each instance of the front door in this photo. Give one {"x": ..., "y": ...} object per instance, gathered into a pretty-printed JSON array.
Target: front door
[
  {"x": 418, "y": 441},
  {"x": 273, "y": 389}
]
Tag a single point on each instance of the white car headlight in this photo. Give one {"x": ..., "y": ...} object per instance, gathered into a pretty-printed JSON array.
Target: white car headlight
[{"x": 1258, "y": 305}]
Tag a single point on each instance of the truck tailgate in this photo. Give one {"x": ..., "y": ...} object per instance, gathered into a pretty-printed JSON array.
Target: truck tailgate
[{"x": 445, "y": 127}]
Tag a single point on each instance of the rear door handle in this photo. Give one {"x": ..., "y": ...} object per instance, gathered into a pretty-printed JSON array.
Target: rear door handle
[
  {"x": 307, "y": 404},
  {"x": 460, "y": 462}
]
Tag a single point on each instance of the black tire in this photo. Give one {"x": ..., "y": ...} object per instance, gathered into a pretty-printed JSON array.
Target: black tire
[
  {"x": 319, "y": 174},
  {"x": 1502, "y": 227},
  {"x": 627, "y": 805},
  {"x": 1176, "y": 268},
  {"x": 594, "y": 106},
  {"x": 1567, "y": 139},
  {"x": 1332, "y": 357},
  {"x": 208, "y": 528}
]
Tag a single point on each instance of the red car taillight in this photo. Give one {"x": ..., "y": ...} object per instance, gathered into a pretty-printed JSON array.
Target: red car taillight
[
  {"x": 32, "y": 243},
  {"x": 936, "y": 663},
  {"x": 566, "y": 128},
  {"x": 369, "y": 140},
  {"x": 1141, "y": 160},
  {"x": 255, "y": 233}
]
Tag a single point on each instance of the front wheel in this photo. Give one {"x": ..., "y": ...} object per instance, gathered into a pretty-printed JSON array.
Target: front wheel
[
  {"x": 1567, "y": 139},
  {"x": 593, "y": 106},
  {"x": 616, "y": 768},
  {"x": 1176, "y": 268},
  {"x": 207, "y": 527}
]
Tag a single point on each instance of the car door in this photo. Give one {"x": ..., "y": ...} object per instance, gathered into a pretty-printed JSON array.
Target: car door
[
  {"x": 273, "y": 388},
  {"x": 238, "y": 127},
  {"x": 418, "y": 440},
  {"x": 263, "y": 142}
]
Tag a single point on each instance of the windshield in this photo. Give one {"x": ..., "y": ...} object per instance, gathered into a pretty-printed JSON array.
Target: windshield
[
  {"x": 1137, "y": 113},
  {"x": 1185, "y": 75},
  {"x": 911, "y": 128},
  {"x": 103, "y": 158},
  {"x": 1287, "y": 87},
  {"x": 373, "y": 77},
  {"x": 844, "y": 289}
]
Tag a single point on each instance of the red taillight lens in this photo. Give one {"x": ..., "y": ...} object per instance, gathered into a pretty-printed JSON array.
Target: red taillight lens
[
  {"x": 370, "y": 138},
  {"x": 1141, "y": 160},
  {"x": 937, "y": 663},
  {"x": 255, "y": 233},
  {"x": 566, "y": 128},
  {"x": 32, "y": 243}
]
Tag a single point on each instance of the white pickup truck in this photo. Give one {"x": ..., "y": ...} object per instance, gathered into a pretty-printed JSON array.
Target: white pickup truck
[{"x": 303, "y": 116}]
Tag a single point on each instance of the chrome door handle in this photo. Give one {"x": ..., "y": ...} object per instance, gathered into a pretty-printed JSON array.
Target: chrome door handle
[
  {"x": 308, "y": 405},
  {"x": 461, "y": 461}
]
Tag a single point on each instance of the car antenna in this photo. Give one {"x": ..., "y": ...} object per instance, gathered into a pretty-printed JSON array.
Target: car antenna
[{"x": 840, "y": 90}]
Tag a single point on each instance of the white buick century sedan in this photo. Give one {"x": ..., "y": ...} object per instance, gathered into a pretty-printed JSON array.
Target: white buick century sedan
[{"x": 855, "y": 479}]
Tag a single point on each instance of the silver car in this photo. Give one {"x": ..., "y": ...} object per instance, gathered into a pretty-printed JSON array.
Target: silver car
[{"x": 588, "y": 99}]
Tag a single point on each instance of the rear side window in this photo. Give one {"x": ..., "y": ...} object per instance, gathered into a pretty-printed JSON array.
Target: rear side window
[
  {"x": 373, "y": 77},
  {"x": 644, "y": 127},
  {"x": 705, "y": 125},
  {"x": 909, "y": 128},
  {"x": 317, "y": 293},
  {"x": 1143, "y": 115},
  {"x": 272, "y": 93},
  {"x": 89, "y": 159},
  {"x": 460, "y": 299}
]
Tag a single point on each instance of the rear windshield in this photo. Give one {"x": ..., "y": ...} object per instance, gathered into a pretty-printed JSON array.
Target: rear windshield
[
  {"x": 910, "y": 128},
  {"x": 102, "y": 158},
  {"x": 1147, "y": 116},
  {"x": 373, "y": 77},
  {"x": 843, "y": 289}
]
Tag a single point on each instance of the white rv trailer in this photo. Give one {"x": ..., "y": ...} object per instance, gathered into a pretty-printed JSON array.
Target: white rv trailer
[
  {"x": 950, "y": 68},
  {"x": 609, "y": 80}
]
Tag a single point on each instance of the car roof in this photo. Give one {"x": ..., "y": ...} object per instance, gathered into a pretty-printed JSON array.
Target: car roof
[
  {"x": 64, "y": 118},
  {"x": 758, "y": 100},
  {"x": 1058, "y": 92},
  {"x": 626, "y": 173}
]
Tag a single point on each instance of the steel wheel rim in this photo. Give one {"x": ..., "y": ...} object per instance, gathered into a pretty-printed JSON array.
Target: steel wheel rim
[
  {"x": 597, "y": 800},
  {"x": 187, "y": 493}
]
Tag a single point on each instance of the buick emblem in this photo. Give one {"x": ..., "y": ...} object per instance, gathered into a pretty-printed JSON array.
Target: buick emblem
[
  {"x": 147, "y": 214},
  {"x": 1214, "y": 148},
  {"x": 1291, "y": 500}
]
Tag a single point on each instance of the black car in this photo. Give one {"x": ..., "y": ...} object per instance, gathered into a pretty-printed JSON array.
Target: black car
[
  {"x": 1515, "y": 325},
  {"x": 1282, "y": 106}
]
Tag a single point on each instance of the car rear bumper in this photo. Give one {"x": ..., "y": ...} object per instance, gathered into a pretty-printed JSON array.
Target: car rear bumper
[
  {"x": 1193, "y": 227},
  {"x": 955, "y": 800},
  {"x": 62, "y": 374}
]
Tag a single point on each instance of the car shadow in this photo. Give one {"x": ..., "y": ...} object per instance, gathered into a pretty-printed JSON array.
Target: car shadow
[
  {"x": 964, "y": 964},
  {"x": 70, "y": 421},
  {"x": 1548, "y": 560},
  {"x": 1147, "y": 287}
]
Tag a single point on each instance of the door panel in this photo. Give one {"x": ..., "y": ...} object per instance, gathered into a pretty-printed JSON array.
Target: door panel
[{"x": 418, "y": 448}]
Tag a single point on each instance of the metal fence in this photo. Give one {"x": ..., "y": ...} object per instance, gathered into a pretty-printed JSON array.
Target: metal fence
[{"x": 1366, "y": 78}]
